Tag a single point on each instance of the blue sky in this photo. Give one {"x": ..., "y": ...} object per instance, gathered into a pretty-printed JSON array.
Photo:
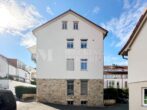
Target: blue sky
[{"x": 19, "y": 17}]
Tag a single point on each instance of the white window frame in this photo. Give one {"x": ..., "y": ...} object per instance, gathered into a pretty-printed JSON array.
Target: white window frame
[
  {"x": 64, "y": 25},
  {"x": 84, "y": 43},
  {"x": 75, "y": 25},
  {"x": 84, "y": 87},
  {"x": 70, "y": 43},
  {"x": 70, "y": 91},
  {"x": 84, "y": 61},
  {"x": 69, "y": 68},
  {"x": 143, "y": 99}
]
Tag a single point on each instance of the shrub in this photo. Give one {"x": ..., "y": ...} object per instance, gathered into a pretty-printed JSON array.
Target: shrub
[
  {"x": 117, "y": 94},
  {"x": 33, "y": 82},
  {"x": 20, "y": 90}
]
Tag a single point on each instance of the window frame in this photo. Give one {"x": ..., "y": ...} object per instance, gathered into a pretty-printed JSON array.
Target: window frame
[
  {"x": 64, "y": 25},
  {"x": 84, "y": 43},
  {"x": 84, "y": 64},
  {"x": 118, "y": 84},
  {"x": 69, "y": 93},
  {"x": 75, "y": 25},
  {"x": 70, "y": 102},
  {"x": 143, "y": 96},
  {"x": 70, "y": 43},
  {"x": 84, "y": 102},
  {"x": 69, "y": 69},
  {"x": 84, "y": 93}
]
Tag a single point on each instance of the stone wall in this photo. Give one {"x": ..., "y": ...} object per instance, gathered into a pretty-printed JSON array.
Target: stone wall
[{"x": 55, "y": 91}]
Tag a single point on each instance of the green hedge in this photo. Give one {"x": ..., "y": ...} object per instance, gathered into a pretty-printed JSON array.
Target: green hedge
[
  {"x": 20, "y": 90},
  {"x": 112, "y": 93},
  {"x": 33, "y": 82}
]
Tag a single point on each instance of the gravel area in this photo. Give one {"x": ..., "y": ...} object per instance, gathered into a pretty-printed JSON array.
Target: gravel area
[{"x": 40, "y": 106}]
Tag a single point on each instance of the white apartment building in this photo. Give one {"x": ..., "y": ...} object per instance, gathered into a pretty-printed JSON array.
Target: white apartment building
[
  {"x": 69, "y": 60},
  {"x": 136, "y": 52},
  {"x": 116, "y": 77},
  {"x": 13, "y": 73}
]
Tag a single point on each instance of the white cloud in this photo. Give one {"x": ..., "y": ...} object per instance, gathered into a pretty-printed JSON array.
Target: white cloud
[
  {"x": 49, "y": 10},
  {"x": 126, "y": 4},
  {"x": 18, "y": 17},
  {"x": 123, "y": 25},
  {"x": 28, "y": 40},
  {"x": 96, "y": 10},
  {"x": 110, "y": 60}
]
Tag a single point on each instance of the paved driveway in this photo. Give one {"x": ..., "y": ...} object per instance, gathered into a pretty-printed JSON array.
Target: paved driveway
[{"x": 39, "y": 106}]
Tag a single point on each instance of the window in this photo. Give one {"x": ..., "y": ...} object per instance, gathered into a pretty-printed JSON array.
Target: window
[
  {"x": 70, "y": 102},
  {"x": 84, "y": 87},
  {"x": 117, "y": 84},
  {"x": 126, "y": 84},
  {"x": 70, "y": 64},
  {"x": 83, "y": 102},
  {"x": 110, "y": 84},
  {"x": 64, "y": 24},
  {"x": 145, "y": 96},
  {"x": 75, "y": 25},
  {"x": 70, "y": 43},
  {"x": 83, "y": 43},
  {"x": 83, "y": 64},
  {"x": 70, "y": 87}
]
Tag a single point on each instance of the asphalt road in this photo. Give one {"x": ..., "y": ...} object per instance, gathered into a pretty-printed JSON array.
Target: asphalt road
[{"x": 40, "y": 106}]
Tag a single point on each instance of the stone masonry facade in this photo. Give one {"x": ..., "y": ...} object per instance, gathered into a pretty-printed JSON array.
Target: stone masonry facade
[{"x": 55, "y": 91}]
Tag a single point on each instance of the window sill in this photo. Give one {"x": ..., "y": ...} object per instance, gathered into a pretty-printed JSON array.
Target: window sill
[
  {"x": 84, "y": 70},
  {"x": 144, "y": 105},
  {"x": 70, "y": 95},
  {"x": 70, "y": 48},
  {"x": 84, "y": 95}
]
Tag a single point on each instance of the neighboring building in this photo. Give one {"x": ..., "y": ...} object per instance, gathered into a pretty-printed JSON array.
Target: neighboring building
[
  {"x": 32, "y": 72},
  {"x": 3, "y": 67},
  {"x": 21, "y": 73},
  {"x": 116, "y": 77},
  {"x": 70, "y": 61},
  {"x": 13, "y": 73},
  {"x": 136, "y": 52}
]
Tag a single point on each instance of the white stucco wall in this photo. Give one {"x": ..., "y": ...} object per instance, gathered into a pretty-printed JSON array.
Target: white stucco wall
[
  {"x": 12, "y": 70},
  {"x": 3, "y": 66},
  {"x": 138, "y": 58},
  {"x": 52, "y": 51},
  {"x": 136, "y": 96},
  {"x": 24, "y": 74},
  {"x": 4, "y": 84},
  {"x": 121, "y": 83}
]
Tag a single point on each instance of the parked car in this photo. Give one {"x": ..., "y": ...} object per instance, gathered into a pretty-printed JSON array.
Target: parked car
[{"x": 7, "y": 100}]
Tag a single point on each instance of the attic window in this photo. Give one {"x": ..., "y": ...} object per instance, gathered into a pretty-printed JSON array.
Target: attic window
[
  {"x": 75, "y": 25},
  {"x": 64, "y": 24}
]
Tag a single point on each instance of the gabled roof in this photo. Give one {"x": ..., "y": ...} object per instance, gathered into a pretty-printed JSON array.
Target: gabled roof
[
  {"x": 134, "y": 35},
  {"x": 105, "y": 31}
]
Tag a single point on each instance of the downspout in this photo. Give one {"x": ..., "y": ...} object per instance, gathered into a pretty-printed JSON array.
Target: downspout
[
  {"x": 8, "y": 74},
  {"x": 124, "y": 57}
]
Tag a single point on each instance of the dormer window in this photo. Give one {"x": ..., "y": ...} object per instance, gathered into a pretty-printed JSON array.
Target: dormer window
[
  {"x": 64, "y": 24},
  {"x": 75, "y": 25}
]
